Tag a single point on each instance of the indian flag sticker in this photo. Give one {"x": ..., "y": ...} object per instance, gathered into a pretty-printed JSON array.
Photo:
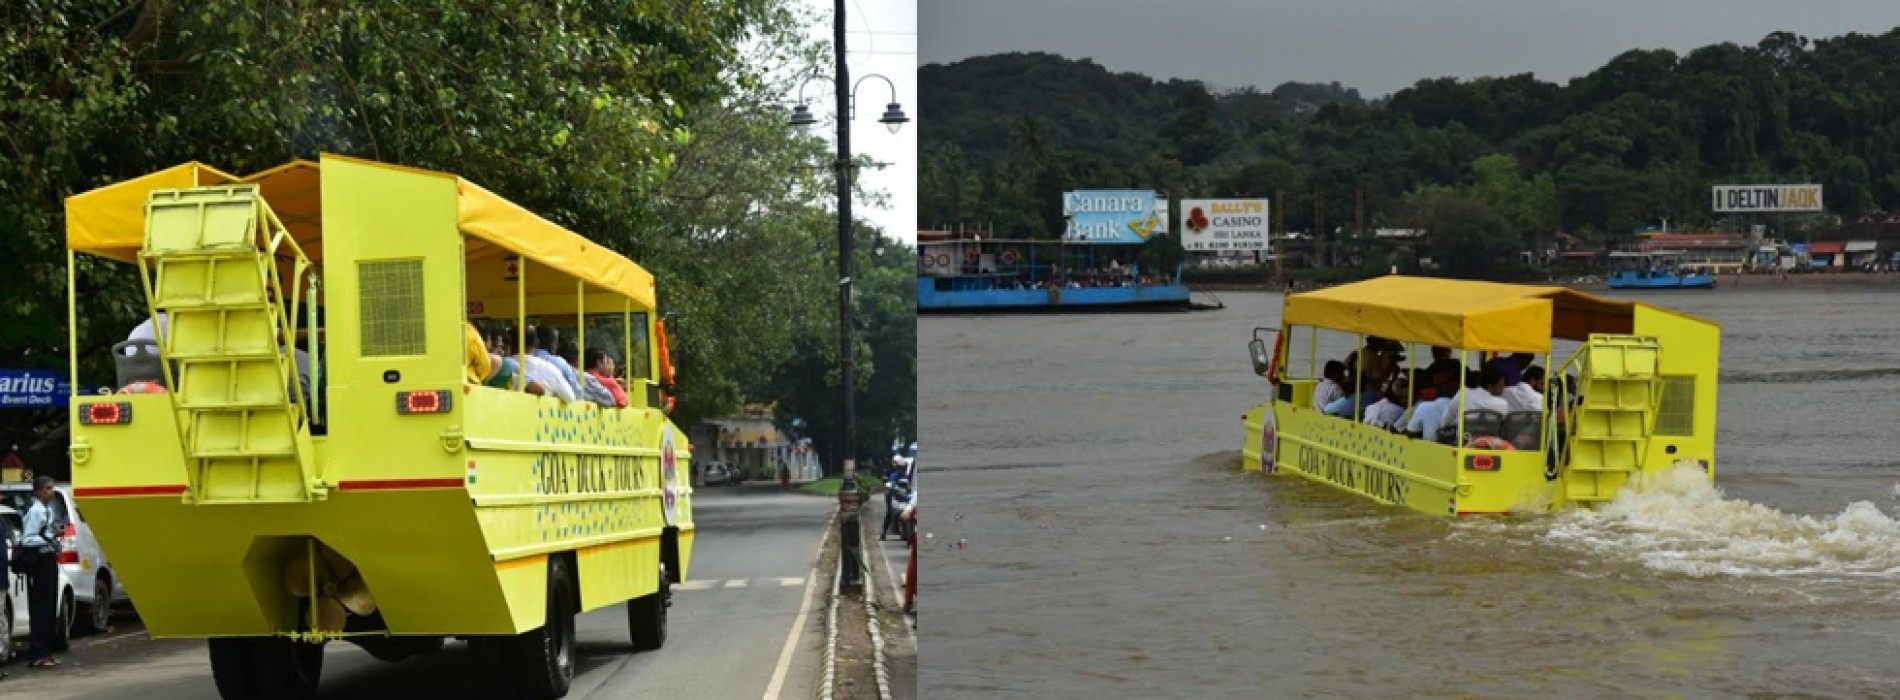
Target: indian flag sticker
[{"x": 471, "y": 471}]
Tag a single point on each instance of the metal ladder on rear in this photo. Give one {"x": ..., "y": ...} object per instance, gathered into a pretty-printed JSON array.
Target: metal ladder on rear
[
  {"x": 209, "y": 262},
  {"x": 1611, "y": 427}
]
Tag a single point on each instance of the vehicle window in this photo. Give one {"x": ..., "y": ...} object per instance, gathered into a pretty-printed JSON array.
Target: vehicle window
[{"x": 61, "y": 512}]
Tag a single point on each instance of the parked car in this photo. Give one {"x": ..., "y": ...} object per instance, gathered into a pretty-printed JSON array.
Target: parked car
[
  {"x": 718, "y": 473},
  {"x": 83, "y": 560},
  {"x": 14, "y": 624}
]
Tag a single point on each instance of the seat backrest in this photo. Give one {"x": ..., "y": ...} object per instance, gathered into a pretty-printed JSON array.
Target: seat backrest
[
  {"x": 137, "y": 361},
  {"x": 1484, "y": 421},
  {"x": 1523, "y": 428}
]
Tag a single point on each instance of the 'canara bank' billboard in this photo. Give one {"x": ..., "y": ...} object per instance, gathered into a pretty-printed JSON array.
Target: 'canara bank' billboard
[
  {"x": 1767, "y": 198},
  {"x": 1114, "y": 216}
]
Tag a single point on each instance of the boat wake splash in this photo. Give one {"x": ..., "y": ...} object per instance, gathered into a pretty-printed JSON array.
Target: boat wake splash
[{"x": 1678, "y": 522}]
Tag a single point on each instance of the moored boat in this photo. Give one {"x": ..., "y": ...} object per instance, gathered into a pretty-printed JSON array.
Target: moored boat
[
  {"x": 969, "y": 272},
  {"x": 1631, "y": 390},
  {"x": 1655, "y": 270}
]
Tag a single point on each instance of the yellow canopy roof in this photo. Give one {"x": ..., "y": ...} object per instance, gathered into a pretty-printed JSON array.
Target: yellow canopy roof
[
  {"x": 1461, "y": 313},
  {"x": 110, "y": 222}
]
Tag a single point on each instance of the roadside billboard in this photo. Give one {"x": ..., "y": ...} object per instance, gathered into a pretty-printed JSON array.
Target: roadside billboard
[
  {"x": 1767, "y": 198},
  {"x": 1114, "y": 216},
  {"x": 33, "y": 388},
  {"x": 1224, "y": 225}
]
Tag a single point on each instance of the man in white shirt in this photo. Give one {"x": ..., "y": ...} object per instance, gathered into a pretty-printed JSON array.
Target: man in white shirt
[
  {"x": 1523, "y": 396},
  {"x": 1485, "y": 397},
  {"x": 1329, "y": 388},
  {"x": 1389, "y": 409},
  {"x": 543, "y": 372},
  {"x": 1427, "y": 416}
]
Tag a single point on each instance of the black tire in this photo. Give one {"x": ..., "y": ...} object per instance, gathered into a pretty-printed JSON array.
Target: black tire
[
  {"x": 6, "y": 626},
  {"x": 538, "y": 664},
  {"x": 646, "y": 615},
  {"x": 99, "y": 614},
  {"x": 63, "y": 632},
  {"x": 265, "y": 668}
]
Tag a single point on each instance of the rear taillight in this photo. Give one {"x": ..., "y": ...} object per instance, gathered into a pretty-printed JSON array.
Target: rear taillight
[
  {"x": 106, "y": 413},
  {"x": 69, "y": 545},
  {"x": 409, "y": 402},
  {"x": 1481, "y": 463}
]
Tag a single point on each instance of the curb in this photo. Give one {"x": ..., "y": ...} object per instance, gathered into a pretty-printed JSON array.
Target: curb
[
  {"x": 875, "y": 623},
  {"x": 829, "y": 684}
]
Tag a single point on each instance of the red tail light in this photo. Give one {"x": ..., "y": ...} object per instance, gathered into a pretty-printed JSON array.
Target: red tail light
[
  {"x": 106, "y": 413},
  {"x": 69, "y": 545},
  {"x": 411, "y": 402},
  {"x": 1481, "y": 463}
]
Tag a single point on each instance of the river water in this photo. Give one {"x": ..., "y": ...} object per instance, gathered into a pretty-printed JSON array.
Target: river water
[{"x": 1090, "y": 534}]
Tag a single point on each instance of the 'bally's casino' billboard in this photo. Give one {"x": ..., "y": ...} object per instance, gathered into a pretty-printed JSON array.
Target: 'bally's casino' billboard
[
  {"x": 1114, "y": 216},
  {"x": 1224, "y": 224},
  {"x": 1767, "y": 198}
]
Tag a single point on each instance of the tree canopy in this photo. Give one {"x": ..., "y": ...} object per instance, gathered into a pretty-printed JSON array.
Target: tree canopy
[
  {"x": 1640, "y": 138},
  {"x": 654, "y": 127}
]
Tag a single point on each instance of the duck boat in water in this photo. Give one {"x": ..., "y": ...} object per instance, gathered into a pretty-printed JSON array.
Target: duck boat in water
[{"x": 1632, "y": 392}]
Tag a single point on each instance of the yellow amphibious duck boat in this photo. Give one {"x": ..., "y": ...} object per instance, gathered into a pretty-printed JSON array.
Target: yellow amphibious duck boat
[
  {"x": 310, "y": 479},
  {"x": 1640, "y": 397}
]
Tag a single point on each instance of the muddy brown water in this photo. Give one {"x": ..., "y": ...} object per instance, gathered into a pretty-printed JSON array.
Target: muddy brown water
[{"x": 1110, "y": 547}]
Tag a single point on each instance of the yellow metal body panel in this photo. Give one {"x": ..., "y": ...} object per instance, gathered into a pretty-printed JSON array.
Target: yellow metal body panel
[
  {"x": 1691, "y": 348},
  {"x": 1390, "y": 468},
  {"x": 452, "y": 516}
]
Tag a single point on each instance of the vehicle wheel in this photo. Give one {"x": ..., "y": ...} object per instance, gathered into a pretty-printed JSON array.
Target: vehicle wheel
[
  {"x": 265, "y": 668},
  {"x": 646, "y": 615},
  {"x": 537, "y": 664},
  {"x": 63, "y": 633},
  {"x": 99, "y": 614},
  {"x": 6, "y": 628}
]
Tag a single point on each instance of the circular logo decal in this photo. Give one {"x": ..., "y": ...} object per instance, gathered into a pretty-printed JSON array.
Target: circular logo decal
[{"x": 669, "y": 475}]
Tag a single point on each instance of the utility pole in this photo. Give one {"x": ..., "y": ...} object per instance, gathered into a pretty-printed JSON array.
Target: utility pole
[
  {"x": 1279, "y": 254},
  {"x": 850, "y": 535},
  {"x": 1319, "y": 228}
]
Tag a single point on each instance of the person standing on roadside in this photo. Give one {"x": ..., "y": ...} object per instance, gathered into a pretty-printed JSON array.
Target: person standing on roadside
[{"x": 42, "y": 589}]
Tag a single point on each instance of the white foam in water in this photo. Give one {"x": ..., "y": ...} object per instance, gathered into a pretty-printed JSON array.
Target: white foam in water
[{"x": 1679, "y": 522}]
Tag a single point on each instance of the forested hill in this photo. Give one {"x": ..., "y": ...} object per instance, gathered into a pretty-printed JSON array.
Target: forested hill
[{"x": 1639, "y": 138}]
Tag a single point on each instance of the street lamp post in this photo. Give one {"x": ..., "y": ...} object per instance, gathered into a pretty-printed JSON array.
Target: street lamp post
[{"x": 850, "y": 534}]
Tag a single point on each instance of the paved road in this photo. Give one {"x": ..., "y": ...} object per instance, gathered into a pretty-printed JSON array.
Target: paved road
[{"x": 729, "y": 629}]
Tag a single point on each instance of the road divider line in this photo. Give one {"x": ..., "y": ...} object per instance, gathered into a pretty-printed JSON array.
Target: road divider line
[
  {"x": 735, "y": 583},
  {"x": 777, "y": 684}
]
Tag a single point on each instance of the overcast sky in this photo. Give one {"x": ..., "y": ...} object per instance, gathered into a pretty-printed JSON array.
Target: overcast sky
[
  {"x": 882, "y": 40},
  {"x": 1377, "y": 46}
]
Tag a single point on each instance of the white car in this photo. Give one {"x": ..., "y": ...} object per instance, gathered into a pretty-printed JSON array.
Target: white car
[
  {"x": 80, "y": 556},
  {"x": 14, "y": 623}
]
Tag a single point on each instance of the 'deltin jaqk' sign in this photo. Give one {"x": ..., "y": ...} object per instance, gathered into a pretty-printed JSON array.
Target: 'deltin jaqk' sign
[
  {"x": 1768, "y": 198},
  {"x": 1113, "y": 216},
  {"x": 33, "y": 388}
]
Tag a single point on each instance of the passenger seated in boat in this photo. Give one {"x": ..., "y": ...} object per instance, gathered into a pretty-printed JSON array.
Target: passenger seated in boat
[
  {"x": 1390, "y": 407},
  {"x": 1332, "y": 386},
  {"x": 1486, "y": 396},
  {"x": 1524, "y": 396},
  {"x": 1442, "y": 361},
  {"x": 1428, "y": 415}
]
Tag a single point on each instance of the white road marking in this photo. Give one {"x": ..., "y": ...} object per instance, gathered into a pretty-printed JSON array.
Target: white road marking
[
  {"x": 735, "y": 583},
  {"x": 787, "y": 582},
  {"x": 777, "y": 685},
  {"x": 694, "y": 585}
]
